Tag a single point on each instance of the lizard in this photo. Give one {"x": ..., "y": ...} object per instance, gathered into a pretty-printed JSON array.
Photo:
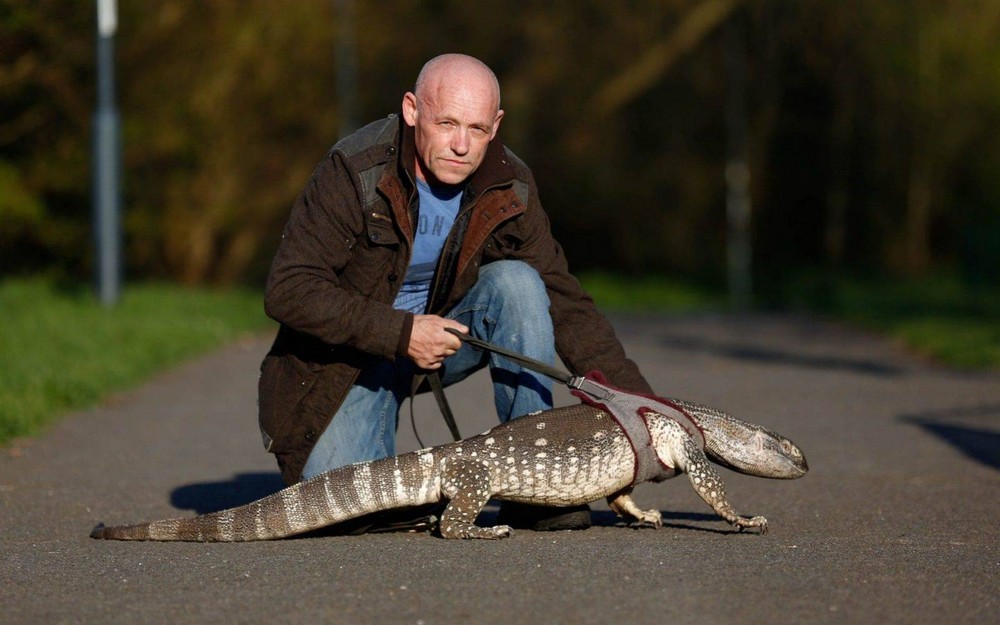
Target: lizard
[{"x": 563, "y": 457}]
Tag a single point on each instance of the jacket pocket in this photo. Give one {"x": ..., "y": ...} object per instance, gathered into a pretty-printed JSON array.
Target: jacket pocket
[
  {"x": 380, "y": 229},
  {"x": 503, "y": 244},
  {"x": 284, "y": 383}
]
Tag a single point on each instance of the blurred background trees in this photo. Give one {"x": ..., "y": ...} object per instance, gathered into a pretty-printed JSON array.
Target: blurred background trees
[{"x": 872, "y": 128}]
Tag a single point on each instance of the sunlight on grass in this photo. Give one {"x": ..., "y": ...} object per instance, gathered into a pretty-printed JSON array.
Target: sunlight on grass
[
  {"x": 60, "y": 350},
  {"x": 648, "y": 294}
]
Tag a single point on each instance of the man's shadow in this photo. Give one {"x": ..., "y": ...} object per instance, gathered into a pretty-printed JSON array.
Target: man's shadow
[{"x": 242, "y": 489}]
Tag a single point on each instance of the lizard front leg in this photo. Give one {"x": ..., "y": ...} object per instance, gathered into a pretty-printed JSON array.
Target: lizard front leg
[
  {"x": 466, "y": 484},
  {"x": 623, "y": 505},
  {"x": 707, "y": 483}
]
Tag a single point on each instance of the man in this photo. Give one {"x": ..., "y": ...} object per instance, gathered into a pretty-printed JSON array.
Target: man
[{"x": 412, "y": 225}]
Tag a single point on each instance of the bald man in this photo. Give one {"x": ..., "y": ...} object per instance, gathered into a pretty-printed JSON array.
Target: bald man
[{"x": 419, "y": 222}]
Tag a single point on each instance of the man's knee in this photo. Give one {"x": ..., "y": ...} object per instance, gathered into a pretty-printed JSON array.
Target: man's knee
[{"x": 516, "y": 281}]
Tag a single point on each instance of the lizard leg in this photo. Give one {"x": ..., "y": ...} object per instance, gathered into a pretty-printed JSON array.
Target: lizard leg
[
  {"x": 707, "y": 483},
  {"x": 466, "y": 484},
  {"x": 623, "y": 505}
]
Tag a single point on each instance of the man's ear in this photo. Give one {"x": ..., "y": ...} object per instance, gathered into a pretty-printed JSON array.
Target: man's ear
[
  {"x": 496, "y": 123},
  {"x": 410, "y": 108}
]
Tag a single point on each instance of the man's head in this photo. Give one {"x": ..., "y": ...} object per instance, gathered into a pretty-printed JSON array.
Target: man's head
[{"x": 455, "y": 112}]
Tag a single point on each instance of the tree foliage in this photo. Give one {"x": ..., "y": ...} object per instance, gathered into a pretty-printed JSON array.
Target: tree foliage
[{"x": 873, "y": 128}]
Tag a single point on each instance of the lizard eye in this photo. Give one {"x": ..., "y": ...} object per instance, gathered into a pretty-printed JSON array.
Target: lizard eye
[{"x": 786, "y": 447}]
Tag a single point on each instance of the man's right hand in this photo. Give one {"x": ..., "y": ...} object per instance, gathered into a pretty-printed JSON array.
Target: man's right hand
[{"x": 430, "y": 344}]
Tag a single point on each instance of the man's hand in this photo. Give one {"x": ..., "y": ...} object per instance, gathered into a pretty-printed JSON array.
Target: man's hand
[{"x": 430, "y": 344}]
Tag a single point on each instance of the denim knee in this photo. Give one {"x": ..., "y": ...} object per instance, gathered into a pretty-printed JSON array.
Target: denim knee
[{"x": 515, "y": 282}]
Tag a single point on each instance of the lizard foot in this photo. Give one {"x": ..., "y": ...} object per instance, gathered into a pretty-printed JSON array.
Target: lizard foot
[
  {"x": 647, "y": 519},
  {"x": 468, "y": 530},
  {"x": 743, "y": 523}
]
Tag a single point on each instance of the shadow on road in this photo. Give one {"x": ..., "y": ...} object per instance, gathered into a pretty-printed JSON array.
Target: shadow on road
[
  {"x": 214, "y": 496},
  {"x": 244, "y": 488},
  {"x": 757, "y": 353},
  {"x": 607, "y": 518},
  {"x": 981, "y": 444}
]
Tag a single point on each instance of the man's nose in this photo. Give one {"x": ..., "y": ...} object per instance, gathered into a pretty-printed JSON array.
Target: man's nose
[{"x": 460, "y": 141}]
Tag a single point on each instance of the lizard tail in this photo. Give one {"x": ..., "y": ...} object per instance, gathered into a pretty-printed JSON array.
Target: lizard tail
[{"x": 332, "y": 497}]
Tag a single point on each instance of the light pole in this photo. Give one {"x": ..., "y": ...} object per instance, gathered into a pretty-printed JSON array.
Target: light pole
[
  {"x": 106, "y": 162},
  {"x": 346, "y": 58},
  {"x": 739, "y": 250}
]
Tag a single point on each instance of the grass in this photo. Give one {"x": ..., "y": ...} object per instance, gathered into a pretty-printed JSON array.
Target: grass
[
  {"x": 648, "y": 294},
  {"x": 939, "y": 317},
  {"x": 60, "y": 350}
]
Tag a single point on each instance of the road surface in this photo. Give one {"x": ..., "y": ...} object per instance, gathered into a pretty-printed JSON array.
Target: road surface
[{"x": 896, "y": 522}]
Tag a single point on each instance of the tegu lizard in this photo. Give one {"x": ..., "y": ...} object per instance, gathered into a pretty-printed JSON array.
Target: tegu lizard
[{"x": 560, "y": 457}]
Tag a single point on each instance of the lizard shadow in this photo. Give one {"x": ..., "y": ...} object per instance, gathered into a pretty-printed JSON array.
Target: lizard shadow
[
  {"x": 607, "y": 518},
  {"x": 243, "y": 488}
]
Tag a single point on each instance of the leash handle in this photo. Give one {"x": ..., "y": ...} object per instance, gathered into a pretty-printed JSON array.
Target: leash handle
[{"x": 535, "y": 365}]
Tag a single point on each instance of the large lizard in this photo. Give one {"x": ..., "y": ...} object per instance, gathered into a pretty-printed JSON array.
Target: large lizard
[{"x": 562, "y": 457}]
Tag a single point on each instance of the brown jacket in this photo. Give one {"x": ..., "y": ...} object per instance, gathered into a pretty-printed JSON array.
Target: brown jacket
[{"x": 341, "y": 260}]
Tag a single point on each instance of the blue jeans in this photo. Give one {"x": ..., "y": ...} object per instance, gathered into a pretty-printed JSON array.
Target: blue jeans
[{"x": 508, "y": 306}]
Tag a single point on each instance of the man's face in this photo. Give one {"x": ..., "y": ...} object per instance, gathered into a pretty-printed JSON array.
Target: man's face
[{"x": 453, "y": 125}]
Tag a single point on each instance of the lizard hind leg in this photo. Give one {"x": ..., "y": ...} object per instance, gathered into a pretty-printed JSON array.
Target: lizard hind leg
[
  {"x": 623, "y": 505},
  {"x": 466, "y": 484}
]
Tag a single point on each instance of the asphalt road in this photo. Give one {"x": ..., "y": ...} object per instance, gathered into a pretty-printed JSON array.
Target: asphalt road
[{"x": 896, "y": 522}]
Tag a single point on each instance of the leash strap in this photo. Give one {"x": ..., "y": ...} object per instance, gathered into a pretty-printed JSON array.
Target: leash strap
[
  {"x": 434, "y": 381},
  {"x": 535, "y": 365},
  {"x": 438, "y": 389}
]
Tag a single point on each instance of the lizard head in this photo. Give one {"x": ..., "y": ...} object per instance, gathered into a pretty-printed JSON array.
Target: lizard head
[
  {"x": 746, "y": 447},
  {"x": 757, "y": 451}
]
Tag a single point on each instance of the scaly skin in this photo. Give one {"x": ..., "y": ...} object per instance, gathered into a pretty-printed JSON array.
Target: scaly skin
[{"x": 562, "y": 457}]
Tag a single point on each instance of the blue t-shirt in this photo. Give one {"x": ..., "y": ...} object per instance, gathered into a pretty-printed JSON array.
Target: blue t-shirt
[{"x": 438, "y": 209}]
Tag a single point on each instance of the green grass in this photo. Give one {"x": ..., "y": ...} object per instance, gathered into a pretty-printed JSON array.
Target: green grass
[
  {"x": 939, "y": 317},
  {"x": 60, "y": 350},
  {"x": 648, "y": 294}
]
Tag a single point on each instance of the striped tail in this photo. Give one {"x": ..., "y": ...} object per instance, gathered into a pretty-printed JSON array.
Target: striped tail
[{"x": 332, "y": 497}]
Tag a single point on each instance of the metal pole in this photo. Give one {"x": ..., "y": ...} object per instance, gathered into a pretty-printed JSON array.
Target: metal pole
[
  {"x": 346, "y": 59},
  {"x": 107, "y": 162},
  {"x": 738, "y": 211}
]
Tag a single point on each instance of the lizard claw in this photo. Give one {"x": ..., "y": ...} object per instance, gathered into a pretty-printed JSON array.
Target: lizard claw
[
  {"x": 469, "y": 530},
  {"x": 743, "y": 523},
  {"x": 648, "y": 519},
  {"x": 501, "y": 531}
]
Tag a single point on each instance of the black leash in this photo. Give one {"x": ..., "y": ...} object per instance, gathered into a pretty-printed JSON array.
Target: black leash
[
  {"x": 535, "y": 365},
  {"x": 437, "y": 388}
]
